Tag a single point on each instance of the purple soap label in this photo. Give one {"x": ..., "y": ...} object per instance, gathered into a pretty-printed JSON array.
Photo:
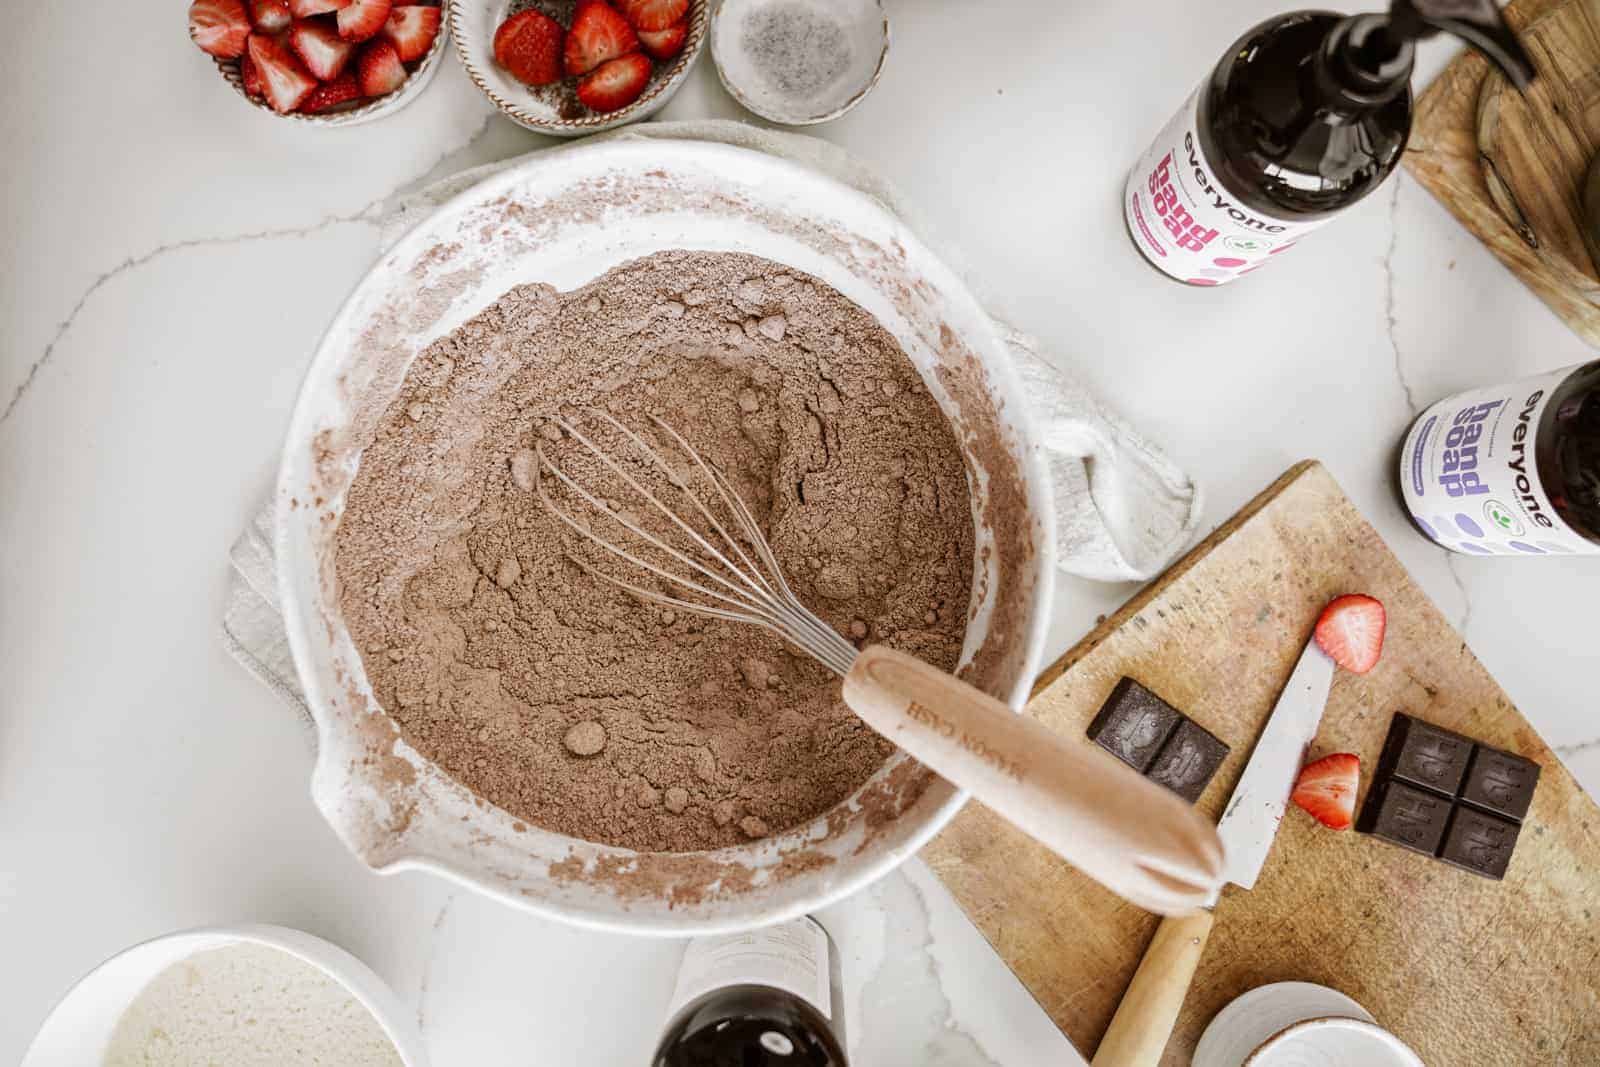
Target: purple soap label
[{"x": 1470, "y": 479}]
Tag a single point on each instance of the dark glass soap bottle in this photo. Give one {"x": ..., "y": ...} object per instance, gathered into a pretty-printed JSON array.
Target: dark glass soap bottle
[
  {"x": 765, "y": 998},
  {"x": 1306, "y": 114}
]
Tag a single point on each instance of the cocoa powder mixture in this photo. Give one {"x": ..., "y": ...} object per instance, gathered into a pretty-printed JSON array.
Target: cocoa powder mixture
[{"x": 574, "y": 705}]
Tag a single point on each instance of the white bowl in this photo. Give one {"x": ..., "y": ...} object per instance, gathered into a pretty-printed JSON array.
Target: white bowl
[
  {"x": 860, "y": 29},
  {"x": 80, "y": 1026},
  {"x": 422, "y": 73},
  {"x": 1298, "y": 1024},
  {"x": 564, "y": 219},
  {"x": 474, "y": 21}
]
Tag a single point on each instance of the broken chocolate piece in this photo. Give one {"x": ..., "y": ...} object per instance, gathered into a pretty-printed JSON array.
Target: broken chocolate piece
[
  {"x": 1133, "y": 724},
  {"x": 1445, "y": 795},
  {"x": 1408, "y": 817},
  {"x": 1479, "y": 842},
  {"x": 1188, "y": 760},
  {"x": 1500, "y": 782},
  {"x": 1424, "y": 754}
]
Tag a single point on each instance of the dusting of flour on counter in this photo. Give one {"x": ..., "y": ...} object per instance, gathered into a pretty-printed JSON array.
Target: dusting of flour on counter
[{"x": 247, "y": 1006}]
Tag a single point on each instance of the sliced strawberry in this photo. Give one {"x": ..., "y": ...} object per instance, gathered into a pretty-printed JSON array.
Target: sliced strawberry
[
  {"x": 341, "y": 90},
  {"x": 378, "y": 69},
  {"x": 219, "y": 27},
  {"x": 1327, "y": 789},
  {"x": 270, "y": 16},
  {"x": 664, "y": 44},
  {"x": 362, "y": 19},
  {"x": 320, "y": 48},
  {"x": 411, "y": 29},
  {"x": 654, "y": 16},
  {"x": 284, "y": 78},
  {"x": 251, "y": 77},
  {"x": 1350, "y": 631},
  {"x": 528, "y": 46},
  {"x": 598, "y": 35},
  {"x": 615, "y": 84},
  {"x": 304, "y": 9}
]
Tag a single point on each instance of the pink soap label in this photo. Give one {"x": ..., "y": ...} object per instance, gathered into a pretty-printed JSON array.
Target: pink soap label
[{"x": 1186, "y": 224}]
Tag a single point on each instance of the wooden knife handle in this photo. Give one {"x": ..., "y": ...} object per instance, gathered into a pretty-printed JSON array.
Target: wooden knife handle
[
  {"x": 1139, "y": 1031},
  {"x": 1134, "y": 837}
]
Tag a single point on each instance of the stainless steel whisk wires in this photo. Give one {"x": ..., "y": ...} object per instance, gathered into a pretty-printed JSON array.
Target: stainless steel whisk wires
[{"x": 750, "y": 585}]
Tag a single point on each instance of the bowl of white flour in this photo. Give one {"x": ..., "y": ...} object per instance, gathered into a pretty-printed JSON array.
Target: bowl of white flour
[{"x": 246, "y": 996}]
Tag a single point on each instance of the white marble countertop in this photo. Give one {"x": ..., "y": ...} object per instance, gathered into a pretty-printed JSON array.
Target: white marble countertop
[{"x": 171, "y": 257}]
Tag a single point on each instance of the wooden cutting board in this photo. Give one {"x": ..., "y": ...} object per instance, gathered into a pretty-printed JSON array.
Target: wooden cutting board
[
  {"x": 1466, "y": 970},
  {"x": 1511, "y": 166}
]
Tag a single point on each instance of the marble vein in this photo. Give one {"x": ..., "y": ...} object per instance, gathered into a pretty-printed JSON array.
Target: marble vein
[
  {"x": 426, "y": 979},
  {"x": 1391, "y": 316},
  {"x": 368, "y": 215},
  {"x": 1450, "y": 562},
  {"x": 1577, "y": 746}
]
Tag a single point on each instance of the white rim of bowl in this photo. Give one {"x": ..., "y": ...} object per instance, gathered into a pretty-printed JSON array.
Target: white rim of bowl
[
  {"x": 234, "y": 76},
  {"x": 816, "y": 120},
  {"x": 1318, "y": 1022},
  {"x": 665, "y": 85}
]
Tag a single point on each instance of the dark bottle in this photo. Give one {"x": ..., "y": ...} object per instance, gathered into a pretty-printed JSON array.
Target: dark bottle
[
  {"x": 1510, "y": 469},
  {"x": 1302, "y": 117},
  {"x": 764, "y": 998}
]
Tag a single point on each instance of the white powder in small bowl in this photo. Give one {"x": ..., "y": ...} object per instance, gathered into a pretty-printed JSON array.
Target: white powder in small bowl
[
  {"x": 799, "y": 61},
  {"x": 248, "y": 1005}
]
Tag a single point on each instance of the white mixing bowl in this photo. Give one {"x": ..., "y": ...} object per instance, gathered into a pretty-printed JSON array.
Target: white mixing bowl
[
  {"x": 80, "y": 1026},
  {"x": 564, "y": 218}
]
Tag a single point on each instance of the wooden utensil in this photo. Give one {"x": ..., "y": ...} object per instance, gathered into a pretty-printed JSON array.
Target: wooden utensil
[
  {"x": 1132, "y": 836},
  {"x": 1463, "y": 969}
]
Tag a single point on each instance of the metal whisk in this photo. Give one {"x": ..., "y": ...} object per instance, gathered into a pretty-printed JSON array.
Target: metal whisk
[{"x": 1132, "y": 835}]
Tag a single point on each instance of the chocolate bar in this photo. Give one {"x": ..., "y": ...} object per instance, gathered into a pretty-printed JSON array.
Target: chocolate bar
[
  {"x": 1157, "y": 740},
  {"x": 1444, "y": 795}
]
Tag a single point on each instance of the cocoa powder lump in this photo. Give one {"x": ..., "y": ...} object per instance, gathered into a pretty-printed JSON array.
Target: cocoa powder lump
[{"x": 573, "y": 704}]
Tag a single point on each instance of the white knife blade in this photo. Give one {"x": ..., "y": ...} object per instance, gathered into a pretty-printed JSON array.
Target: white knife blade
[{"x": 1250, "y": 821}]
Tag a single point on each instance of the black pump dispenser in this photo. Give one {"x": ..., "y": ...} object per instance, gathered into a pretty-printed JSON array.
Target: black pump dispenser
[{"x": 1306, "y": 114}]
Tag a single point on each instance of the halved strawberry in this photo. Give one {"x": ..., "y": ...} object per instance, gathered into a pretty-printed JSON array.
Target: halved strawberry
[
  {"x": 304, "y": 9},
  {"x": 341, "y": 90},
  {"x": 598, "y": 34},
  {"x": 284, "y": 79},
  {"x": 362, "y": 19},
  {"x": 1327, "y": 789},
  {"x": 251, "y": 77},
  {"x": 615, "y": 84},
  {"x": 1350, "y": 631},
  {"x": 528, "y": 46},
  {"x": 321, "y": 49},
  {"x": 411, "y": 29},
  {"x": 219, "y": 27},
  {"x": 664, "y": 44},
  {"x": 270, "y": 16},
  {"x": 654, "y": 15},
  {"x": 378, "y": 69}
]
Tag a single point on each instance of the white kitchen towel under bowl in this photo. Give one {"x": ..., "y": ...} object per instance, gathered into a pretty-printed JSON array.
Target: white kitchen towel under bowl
[{"x": 1123, "y": 511}]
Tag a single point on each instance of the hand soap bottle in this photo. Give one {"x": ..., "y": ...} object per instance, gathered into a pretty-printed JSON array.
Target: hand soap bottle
[{"x": 1303, "y": 116}]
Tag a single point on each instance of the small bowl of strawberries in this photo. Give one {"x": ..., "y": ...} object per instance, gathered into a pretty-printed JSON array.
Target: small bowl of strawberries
[
  {"x": 324, "y": 62},
  {"x": 572, "y": 67}
]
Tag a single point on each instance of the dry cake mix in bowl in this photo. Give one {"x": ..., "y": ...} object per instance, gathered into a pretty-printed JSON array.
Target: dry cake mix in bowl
[{"x": 488, "y": 709}]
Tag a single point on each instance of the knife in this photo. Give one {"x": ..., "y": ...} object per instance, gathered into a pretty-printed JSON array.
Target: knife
[{"x": 1139, "y": 1031}]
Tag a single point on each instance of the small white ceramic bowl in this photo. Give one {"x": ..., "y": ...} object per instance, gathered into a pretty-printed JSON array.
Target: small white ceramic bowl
[
  {"x": 473, "y": 23},
  {"x": 422, "y": 72},
  {"x": 79, "y": 1027},
  {"x": 1298, "y": 1024},
  {"x": 759, "y": 47}
]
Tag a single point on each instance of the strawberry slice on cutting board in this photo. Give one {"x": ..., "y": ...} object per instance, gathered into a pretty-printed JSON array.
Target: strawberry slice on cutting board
[
  {"x": 1350, "y": 630},
  {"x": 1327, "y": 789}
]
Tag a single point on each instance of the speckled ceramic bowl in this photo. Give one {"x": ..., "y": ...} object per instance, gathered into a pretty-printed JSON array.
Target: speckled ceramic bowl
[
  {"x": 422, "y": 72},
  {"x": 473, "y": 23},
  {"x": 854, "y": 35}
]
